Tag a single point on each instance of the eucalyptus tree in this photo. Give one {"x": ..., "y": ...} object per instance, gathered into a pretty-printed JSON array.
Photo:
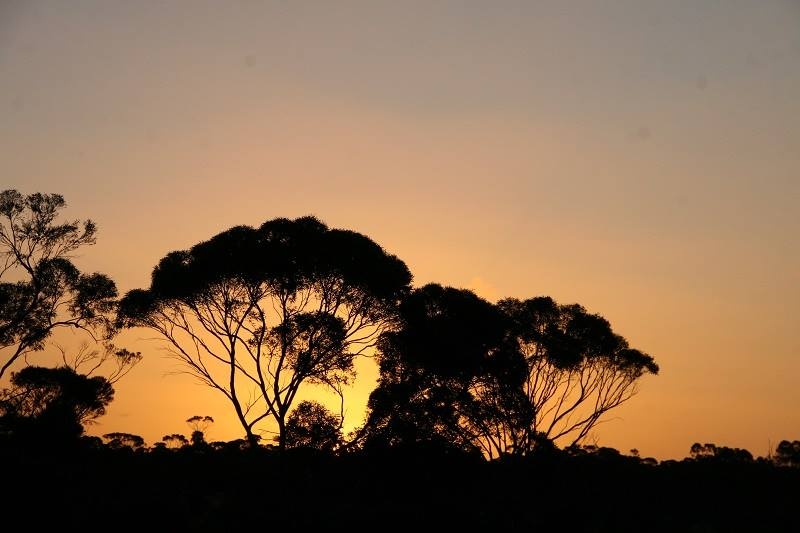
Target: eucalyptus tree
[
  {"x": 311, "y": 425},
  {"x": 788, "y": 453},
  {"x": 40, "y": 288},
  {"x": 52, "y": 405},
  {"x": 438, "y": 371},
  {"x": 504, "y": 379},
  {"x": 124, "y": 441},
  {"x": 577, "y": 369},
  {"x": 256, "y": 313},
  {"x": 199, "y": 424}
]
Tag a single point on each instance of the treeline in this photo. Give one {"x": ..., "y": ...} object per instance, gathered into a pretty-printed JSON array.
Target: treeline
[
  {"x": 261, "y": 313},
  {"x": 480, "y": 418},
  {"x": 258, "y": 314},
  {"x": 225, "y": 486}
]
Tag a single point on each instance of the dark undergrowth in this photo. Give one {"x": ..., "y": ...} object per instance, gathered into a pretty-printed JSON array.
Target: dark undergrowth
[{"x": 299, "y": 490}]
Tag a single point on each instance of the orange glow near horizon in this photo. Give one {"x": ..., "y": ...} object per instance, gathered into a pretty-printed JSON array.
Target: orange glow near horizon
[{"x": 640, "y": 160}]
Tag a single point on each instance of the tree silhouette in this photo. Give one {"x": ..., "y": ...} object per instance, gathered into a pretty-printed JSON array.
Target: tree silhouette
[
  {"x": 788, "y": 453},
  {"x": 199, "y": 424},
  {"x": 712, "y": 452},
  {"x": 435, "y": 368},
  {"x": 256, "y": 313},
  {"x": 40, "y": 288},
  {"x": 311, "y": 425},
  {"x": 124, "y": 441},
  {"x": 504, "y": 379},
  {"x": 576, "y": 370},
  {"x": 51, "y": 404},
  {"x": 176, "y": 440}
]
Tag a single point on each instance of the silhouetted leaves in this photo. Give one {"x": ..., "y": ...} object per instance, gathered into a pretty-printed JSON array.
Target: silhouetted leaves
[
  {"x": 271, "y": 308},
  {"x": 51, "y": 405},
  {"x": 788, "y": 453},
  {"x": 710, "y": 452},
  {"x": 435, "y": 368},
  {"x": 577, "y": 369},
  {"x": 500, "y": 378},
  {"x": 48, "y": 291},
  {"x": 311, "y": 425},
  {"x": 124, "y": 441}
]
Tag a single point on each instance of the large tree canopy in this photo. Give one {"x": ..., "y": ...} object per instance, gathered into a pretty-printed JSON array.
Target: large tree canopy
[
  {"x": 40, "y": 288},
  {"x": 502, "y": 379},
  {"x": 577, "y": 369},
  {"x": 256, "y": 312},
  {"x": 436, "y": 367}
]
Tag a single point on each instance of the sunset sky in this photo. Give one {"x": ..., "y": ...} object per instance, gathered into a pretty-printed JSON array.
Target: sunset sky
[{"x": 641, "y": 158}]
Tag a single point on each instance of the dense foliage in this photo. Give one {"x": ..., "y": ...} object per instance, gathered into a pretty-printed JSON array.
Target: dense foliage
[{"x": 258, "y": 313}]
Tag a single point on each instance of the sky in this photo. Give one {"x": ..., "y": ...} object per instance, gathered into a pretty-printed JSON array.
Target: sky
[{"x": 641, "y": 158}]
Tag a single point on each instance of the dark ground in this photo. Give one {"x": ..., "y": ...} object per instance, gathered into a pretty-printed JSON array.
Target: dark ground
[{"x": 190, "y": 490}]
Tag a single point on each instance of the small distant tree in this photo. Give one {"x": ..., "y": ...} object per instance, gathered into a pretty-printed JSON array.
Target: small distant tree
[
  {"x": 234, "y": 446},
  {"x": 311, "y": 425},
  {"x": 594, "y": 451},
  {"x": 788, "y": 453},
  {"x": 176, "y": 440},
  {"x": 712, "y": 452},
  {"x": 121, "y": 441},
  {"x": 703, "y": 451},
  {"x": 199, "y": 425},
  {"x": 40, "y": 288}
]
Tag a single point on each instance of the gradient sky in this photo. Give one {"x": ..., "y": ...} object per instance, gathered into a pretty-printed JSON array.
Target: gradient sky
[{"x": 639, "y": 158}]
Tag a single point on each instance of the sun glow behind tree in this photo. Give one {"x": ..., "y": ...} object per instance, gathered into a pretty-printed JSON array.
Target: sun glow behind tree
[{"x": 256, "y": 313}]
